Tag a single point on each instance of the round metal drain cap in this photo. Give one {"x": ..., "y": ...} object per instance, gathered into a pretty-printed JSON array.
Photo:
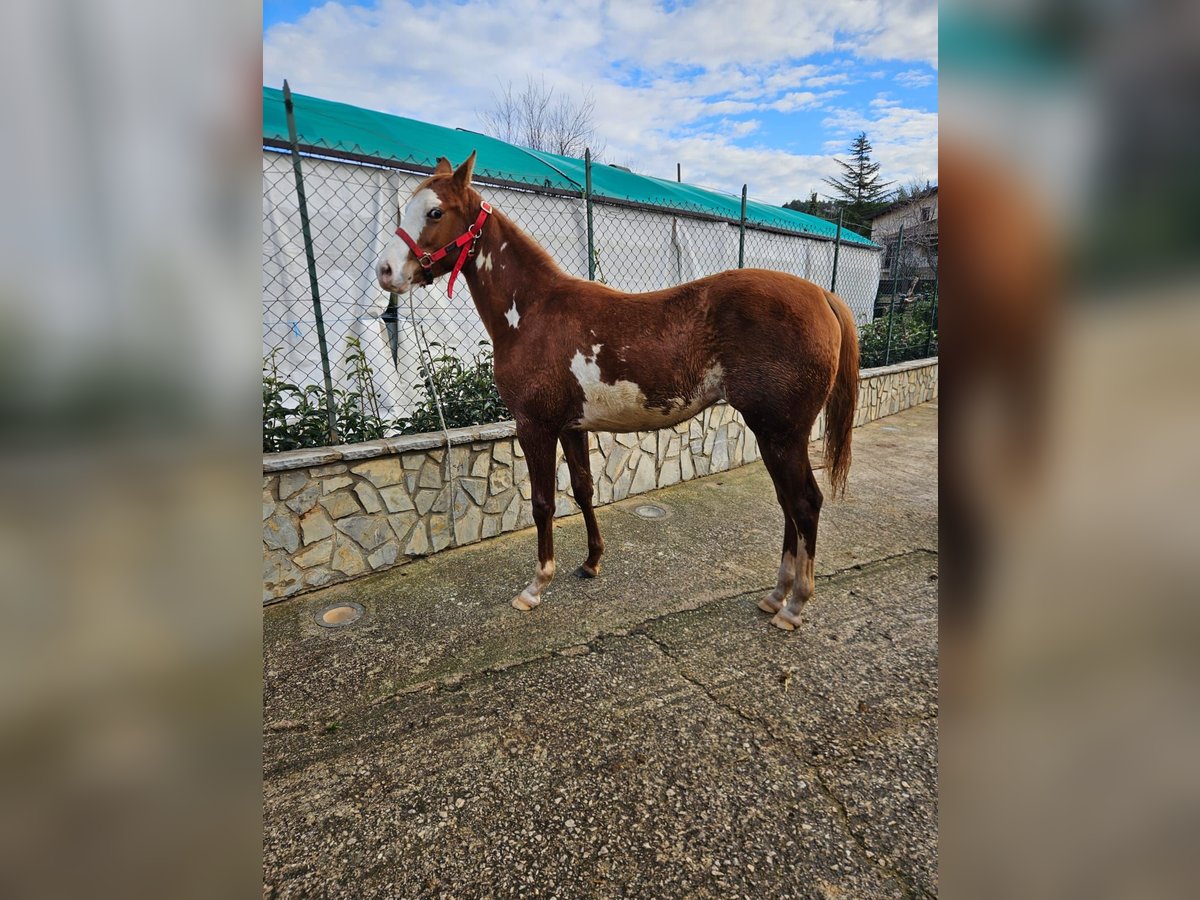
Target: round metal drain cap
[
  {"x": 339, "y": 615},
  {"x": 650, "y": 511}
]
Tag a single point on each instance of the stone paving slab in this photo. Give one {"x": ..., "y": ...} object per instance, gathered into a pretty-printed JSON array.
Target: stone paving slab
[{"x": 644, "y": 734}]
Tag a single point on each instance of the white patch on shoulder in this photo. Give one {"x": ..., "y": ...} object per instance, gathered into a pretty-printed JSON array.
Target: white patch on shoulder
[
  {"x": 514, "y": 317},
  {"x": 485, "y": 261}
]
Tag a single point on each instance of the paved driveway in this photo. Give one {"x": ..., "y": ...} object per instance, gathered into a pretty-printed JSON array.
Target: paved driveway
[{"x": 643, "y": 734}]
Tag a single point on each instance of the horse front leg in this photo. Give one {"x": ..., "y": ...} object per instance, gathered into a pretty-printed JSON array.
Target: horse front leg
[
  {"x": 575, "y": 449},
  {"x": 538, "y": 445}
]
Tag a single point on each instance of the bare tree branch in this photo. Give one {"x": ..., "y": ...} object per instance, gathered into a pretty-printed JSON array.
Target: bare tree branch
[{"x": 538, "y": 119}]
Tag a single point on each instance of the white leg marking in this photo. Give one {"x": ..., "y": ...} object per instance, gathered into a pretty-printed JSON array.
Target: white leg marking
[
  {"x": 783, "y": 585},
  {"x": 788, "y": 618},
  {"x": 803, "y": 589},
  {"x": 532, "y": 595}
]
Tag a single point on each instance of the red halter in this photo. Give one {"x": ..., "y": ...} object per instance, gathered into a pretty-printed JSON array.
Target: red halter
[{"x": 427, "y": 258}]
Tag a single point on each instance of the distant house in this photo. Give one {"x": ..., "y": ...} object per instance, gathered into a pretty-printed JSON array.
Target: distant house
[{"x": 918, "y": 258}]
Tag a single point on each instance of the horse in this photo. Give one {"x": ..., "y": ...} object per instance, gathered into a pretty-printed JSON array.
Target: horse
[{"x": 575, "y": 356}]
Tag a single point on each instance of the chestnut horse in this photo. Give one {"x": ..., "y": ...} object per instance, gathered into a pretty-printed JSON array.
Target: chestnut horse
[{"x": 574, "y": 356}]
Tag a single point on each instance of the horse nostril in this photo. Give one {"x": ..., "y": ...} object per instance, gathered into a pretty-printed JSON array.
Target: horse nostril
[{"x": 385, "y": 271}]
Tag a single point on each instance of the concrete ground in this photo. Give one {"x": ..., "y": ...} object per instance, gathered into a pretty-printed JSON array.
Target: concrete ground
[{"x": 642, "y": 734}]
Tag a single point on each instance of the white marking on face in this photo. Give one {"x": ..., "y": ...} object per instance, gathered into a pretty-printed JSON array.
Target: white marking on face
[
  {"x": 417, "y": 210},
  {"x": 397, "y": 255},
  {"x": 485, "y": 262},
  {"x": 514, "y": 317}
]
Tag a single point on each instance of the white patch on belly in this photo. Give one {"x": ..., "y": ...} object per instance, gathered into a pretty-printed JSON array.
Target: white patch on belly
[
  {"x": 514, "y": 317},
  {"x": 622, "y": 406}
]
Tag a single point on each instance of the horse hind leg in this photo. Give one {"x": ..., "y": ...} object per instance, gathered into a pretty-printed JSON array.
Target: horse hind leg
[
  {"x": 800, "y": 499},
  {"x": 806, "y": 505},
  {"x": 787, "y": 570},
  {"x": 575, "y": 449}
]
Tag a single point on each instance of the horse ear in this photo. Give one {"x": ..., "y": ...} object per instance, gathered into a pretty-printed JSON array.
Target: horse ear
[
  {"x": 443, "y": 166},
  {"x": 462, "y": 175}
]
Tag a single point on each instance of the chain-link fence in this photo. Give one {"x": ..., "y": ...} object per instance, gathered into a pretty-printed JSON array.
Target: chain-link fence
[{"x": 376, "y": 345}]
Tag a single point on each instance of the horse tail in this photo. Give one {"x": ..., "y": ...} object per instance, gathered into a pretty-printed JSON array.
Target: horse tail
[{"x": 839, "y": 407}]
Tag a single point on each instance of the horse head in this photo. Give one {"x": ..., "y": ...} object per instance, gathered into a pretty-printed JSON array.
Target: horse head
[{"x": 437, "y": 226}]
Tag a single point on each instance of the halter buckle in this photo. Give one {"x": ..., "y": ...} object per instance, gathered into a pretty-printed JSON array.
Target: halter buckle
[{"x": 426, "y": 261}]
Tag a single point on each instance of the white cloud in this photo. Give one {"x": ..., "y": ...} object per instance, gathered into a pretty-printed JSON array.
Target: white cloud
[
  {"x": 659, "y": 78},
  {"x": 905, "y": 30},
  {"x": 742, "y": 128},
  {"x": 914, "y": 78},
  {"x": 905, "y": 140},
  {"x": 774, "y": 176}
]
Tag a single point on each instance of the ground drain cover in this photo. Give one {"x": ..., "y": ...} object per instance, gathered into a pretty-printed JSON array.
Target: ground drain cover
[
  {"x": 339, "y": 615},
  {"x": 650, "y": 511}
]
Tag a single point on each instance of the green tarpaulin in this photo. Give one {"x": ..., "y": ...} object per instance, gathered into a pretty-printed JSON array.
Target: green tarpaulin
[{"x": 339, "y": 128}]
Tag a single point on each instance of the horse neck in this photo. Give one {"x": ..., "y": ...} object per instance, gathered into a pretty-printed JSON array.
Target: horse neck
[{"x": 508, "y": 268}]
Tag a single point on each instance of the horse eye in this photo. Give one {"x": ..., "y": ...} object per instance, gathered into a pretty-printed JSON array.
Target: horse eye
[{"x": 435, "y": 213}]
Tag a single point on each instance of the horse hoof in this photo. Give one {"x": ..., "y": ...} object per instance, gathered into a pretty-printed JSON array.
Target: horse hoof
[
  {"x": 770, "y": 604},
  {"x": 584, "y": 572},
  {"x": 786, "y": 620},
  {"x": 525, "y": 602}
]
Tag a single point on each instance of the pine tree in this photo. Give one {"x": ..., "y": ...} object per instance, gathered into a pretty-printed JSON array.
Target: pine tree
[{"x": 859, "y": 189}]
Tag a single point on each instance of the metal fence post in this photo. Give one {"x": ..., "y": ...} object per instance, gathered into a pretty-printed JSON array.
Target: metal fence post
[
  {"x": 330, "y": 407},
  {"x": 837, "y": 245},
  {"x": 742, "y": 233},
  {"x": 587, "y": 196},
  {"x": 932, "y": 315},
  {"x": 887, "y": 352}
]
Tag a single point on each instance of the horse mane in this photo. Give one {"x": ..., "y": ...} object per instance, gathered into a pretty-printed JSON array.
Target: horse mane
[{"x": 535, "y": 254}]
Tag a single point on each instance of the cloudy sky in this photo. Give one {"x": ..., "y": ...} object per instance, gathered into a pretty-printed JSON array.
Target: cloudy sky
[{"x": 766, "y": 92}]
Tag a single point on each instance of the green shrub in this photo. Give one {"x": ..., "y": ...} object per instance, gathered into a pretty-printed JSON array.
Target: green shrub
[
  {"x": 294, "y": 416},
  {"x": 467, "y": 392},
  {"x": 912, "y": 331}
]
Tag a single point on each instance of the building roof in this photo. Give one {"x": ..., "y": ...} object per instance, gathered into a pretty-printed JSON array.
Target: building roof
[
  {"x": 340, "y": 130},
  {"x": 920, "y": 195}
]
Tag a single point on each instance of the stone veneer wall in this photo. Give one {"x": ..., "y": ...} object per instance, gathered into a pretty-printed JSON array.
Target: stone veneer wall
[{"x": 334, "y": 513}]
